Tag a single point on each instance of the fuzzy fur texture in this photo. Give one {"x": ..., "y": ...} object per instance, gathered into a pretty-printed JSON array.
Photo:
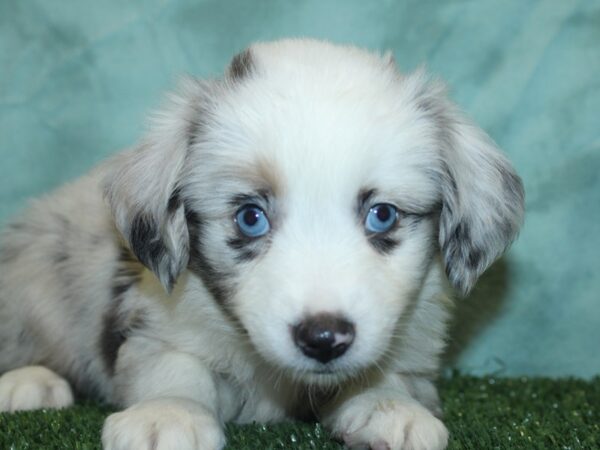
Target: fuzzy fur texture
[{"x": 136, "y": 285}]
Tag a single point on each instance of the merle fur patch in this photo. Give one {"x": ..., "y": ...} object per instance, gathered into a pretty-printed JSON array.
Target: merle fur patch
[
  {"x": 174, "y": 201},
  {"x": 116, "y": 328},
  {"x": 241, "y": 66},
  {"x": 461, "y": 257},
  {"x": 145, "y": 241},
  {"x": 214, "y": 279},
  {"x": 244, "y": 248},
  {"x": 147, "y": 244},
  {"x": 384, "y": 244},
  {"x": 116, "y": 324}
]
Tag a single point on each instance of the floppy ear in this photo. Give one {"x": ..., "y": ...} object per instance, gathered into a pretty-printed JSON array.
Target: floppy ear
[
  {"x": 143, "y": 186},
  {"x": 482, "y": 196}
]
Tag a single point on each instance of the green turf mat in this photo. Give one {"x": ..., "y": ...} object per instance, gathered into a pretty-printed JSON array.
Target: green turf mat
[{"x": 481, "y": 413}]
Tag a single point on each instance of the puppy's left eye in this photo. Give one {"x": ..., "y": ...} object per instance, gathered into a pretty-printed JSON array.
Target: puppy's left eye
[
  {"x": 252, "y": 221},
  {"x": 381, "y": 218}
]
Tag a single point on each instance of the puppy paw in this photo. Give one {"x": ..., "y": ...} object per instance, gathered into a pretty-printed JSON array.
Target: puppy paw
[
  {"x": 389, "y": 425},
  {"x": 33, "y": 387},
  {"x": 163, "y": 424}
]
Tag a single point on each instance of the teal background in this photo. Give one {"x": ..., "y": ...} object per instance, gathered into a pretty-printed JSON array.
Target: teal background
[{"x": 78, "y": 77}]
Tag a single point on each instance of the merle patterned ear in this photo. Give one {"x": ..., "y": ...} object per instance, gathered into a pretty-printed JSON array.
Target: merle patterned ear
[
  {"x": 482, "y": 196},
  {"x": 161, "y": 244},
  {"x": 143, "y": 187},
  {"x": 483, "y": 205}
]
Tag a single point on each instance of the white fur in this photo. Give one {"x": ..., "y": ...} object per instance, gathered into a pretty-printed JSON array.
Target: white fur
[
  {"x": 200, "y": 334},
  {"x": 165, "y": 423},
  {"x": 33, "y": 387}
]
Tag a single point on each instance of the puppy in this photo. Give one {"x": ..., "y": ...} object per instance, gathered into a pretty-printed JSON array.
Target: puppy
[{"x": 280, "y": 244}]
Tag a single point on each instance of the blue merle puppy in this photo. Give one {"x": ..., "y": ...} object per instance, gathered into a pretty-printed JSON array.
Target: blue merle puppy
[{"x": 281, "y": 243}]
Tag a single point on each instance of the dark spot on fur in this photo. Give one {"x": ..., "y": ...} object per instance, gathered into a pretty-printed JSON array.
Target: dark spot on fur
[
  {"x": 515, "y": 195},
  {"x": 239, "y": 243},
  {"x": 462, "y": 259},
  {"x": 127, "y": 274},
  {"x": 241, "y": 199},
  {"x": 116, "y": 328},
  {"x": 246, "y": 255},
  {"x": 241, "y": 65},
  {"x": 60, "y": 256},
  {"x": 146, "y": 242},
  {"x": 365, "y": 195},
  {"x": 261, "y": 196},
  {"x": 194, "y": 129},
  {"x": 462, "y": 233},
  {"x": 364, "y": 199},
  {"x": 111, "y": 339},
  {"x": 454, "y": 246},
  {"x": 383, "y": 244},
  {"x": 16, "y": 226},
  {"x": 174, "y": 201},
  {"x": 412, "y": 221},
  {"x": 117, "y": 325},
  {"x": 474, "y": 259},
  {"x": 244, "y": 247},
  {"x": 455, "y": 238},
  {"x": 213, "y": 279}
]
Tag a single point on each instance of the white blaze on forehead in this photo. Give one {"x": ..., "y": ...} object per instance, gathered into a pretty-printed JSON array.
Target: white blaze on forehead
[{"x": 326, "y": 146}]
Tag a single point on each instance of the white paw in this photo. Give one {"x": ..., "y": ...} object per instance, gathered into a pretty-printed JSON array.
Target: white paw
[
  {"x": 389, "y": 425},
  {"x": 33, "y": 387},
  {"x": 163, "y": 424}
]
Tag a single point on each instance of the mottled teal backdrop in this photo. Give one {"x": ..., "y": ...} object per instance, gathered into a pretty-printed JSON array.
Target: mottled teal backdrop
[{"x": 78, "y": 77}]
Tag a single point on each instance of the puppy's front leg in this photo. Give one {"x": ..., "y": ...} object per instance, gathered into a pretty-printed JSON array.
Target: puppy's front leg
[
  {"x": 385, "y": 417},
  {"x": 172, "y": 399}
]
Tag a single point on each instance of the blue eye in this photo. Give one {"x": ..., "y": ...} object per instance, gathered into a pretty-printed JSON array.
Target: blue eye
[
  {"x": 252, "y": 221},
  {"x": 381, "y": 218}
]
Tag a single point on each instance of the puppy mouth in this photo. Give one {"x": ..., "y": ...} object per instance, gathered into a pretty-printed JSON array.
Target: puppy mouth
[
  {"x": 328, "y": 373},
  {"x": 325, "y": 378},
  {"x": 325, "y": 371}
]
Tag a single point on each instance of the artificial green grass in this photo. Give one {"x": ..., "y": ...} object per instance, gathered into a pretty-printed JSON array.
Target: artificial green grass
[{"x": 481, "y": 413}]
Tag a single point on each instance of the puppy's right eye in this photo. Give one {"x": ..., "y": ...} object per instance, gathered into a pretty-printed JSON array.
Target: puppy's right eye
[{"x": 252, "y": 221}]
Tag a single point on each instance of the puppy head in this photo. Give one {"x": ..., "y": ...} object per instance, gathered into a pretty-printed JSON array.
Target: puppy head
[{"x": 311, "y": 190}]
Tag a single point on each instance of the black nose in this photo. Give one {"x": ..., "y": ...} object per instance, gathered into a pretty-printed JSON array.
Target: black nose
[{"x": 324, "y": 336}]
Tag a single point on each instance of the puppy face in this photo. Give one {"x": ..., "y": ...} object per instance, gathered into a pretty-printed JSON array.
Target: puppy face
[{"x": 311, "y": 190}]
